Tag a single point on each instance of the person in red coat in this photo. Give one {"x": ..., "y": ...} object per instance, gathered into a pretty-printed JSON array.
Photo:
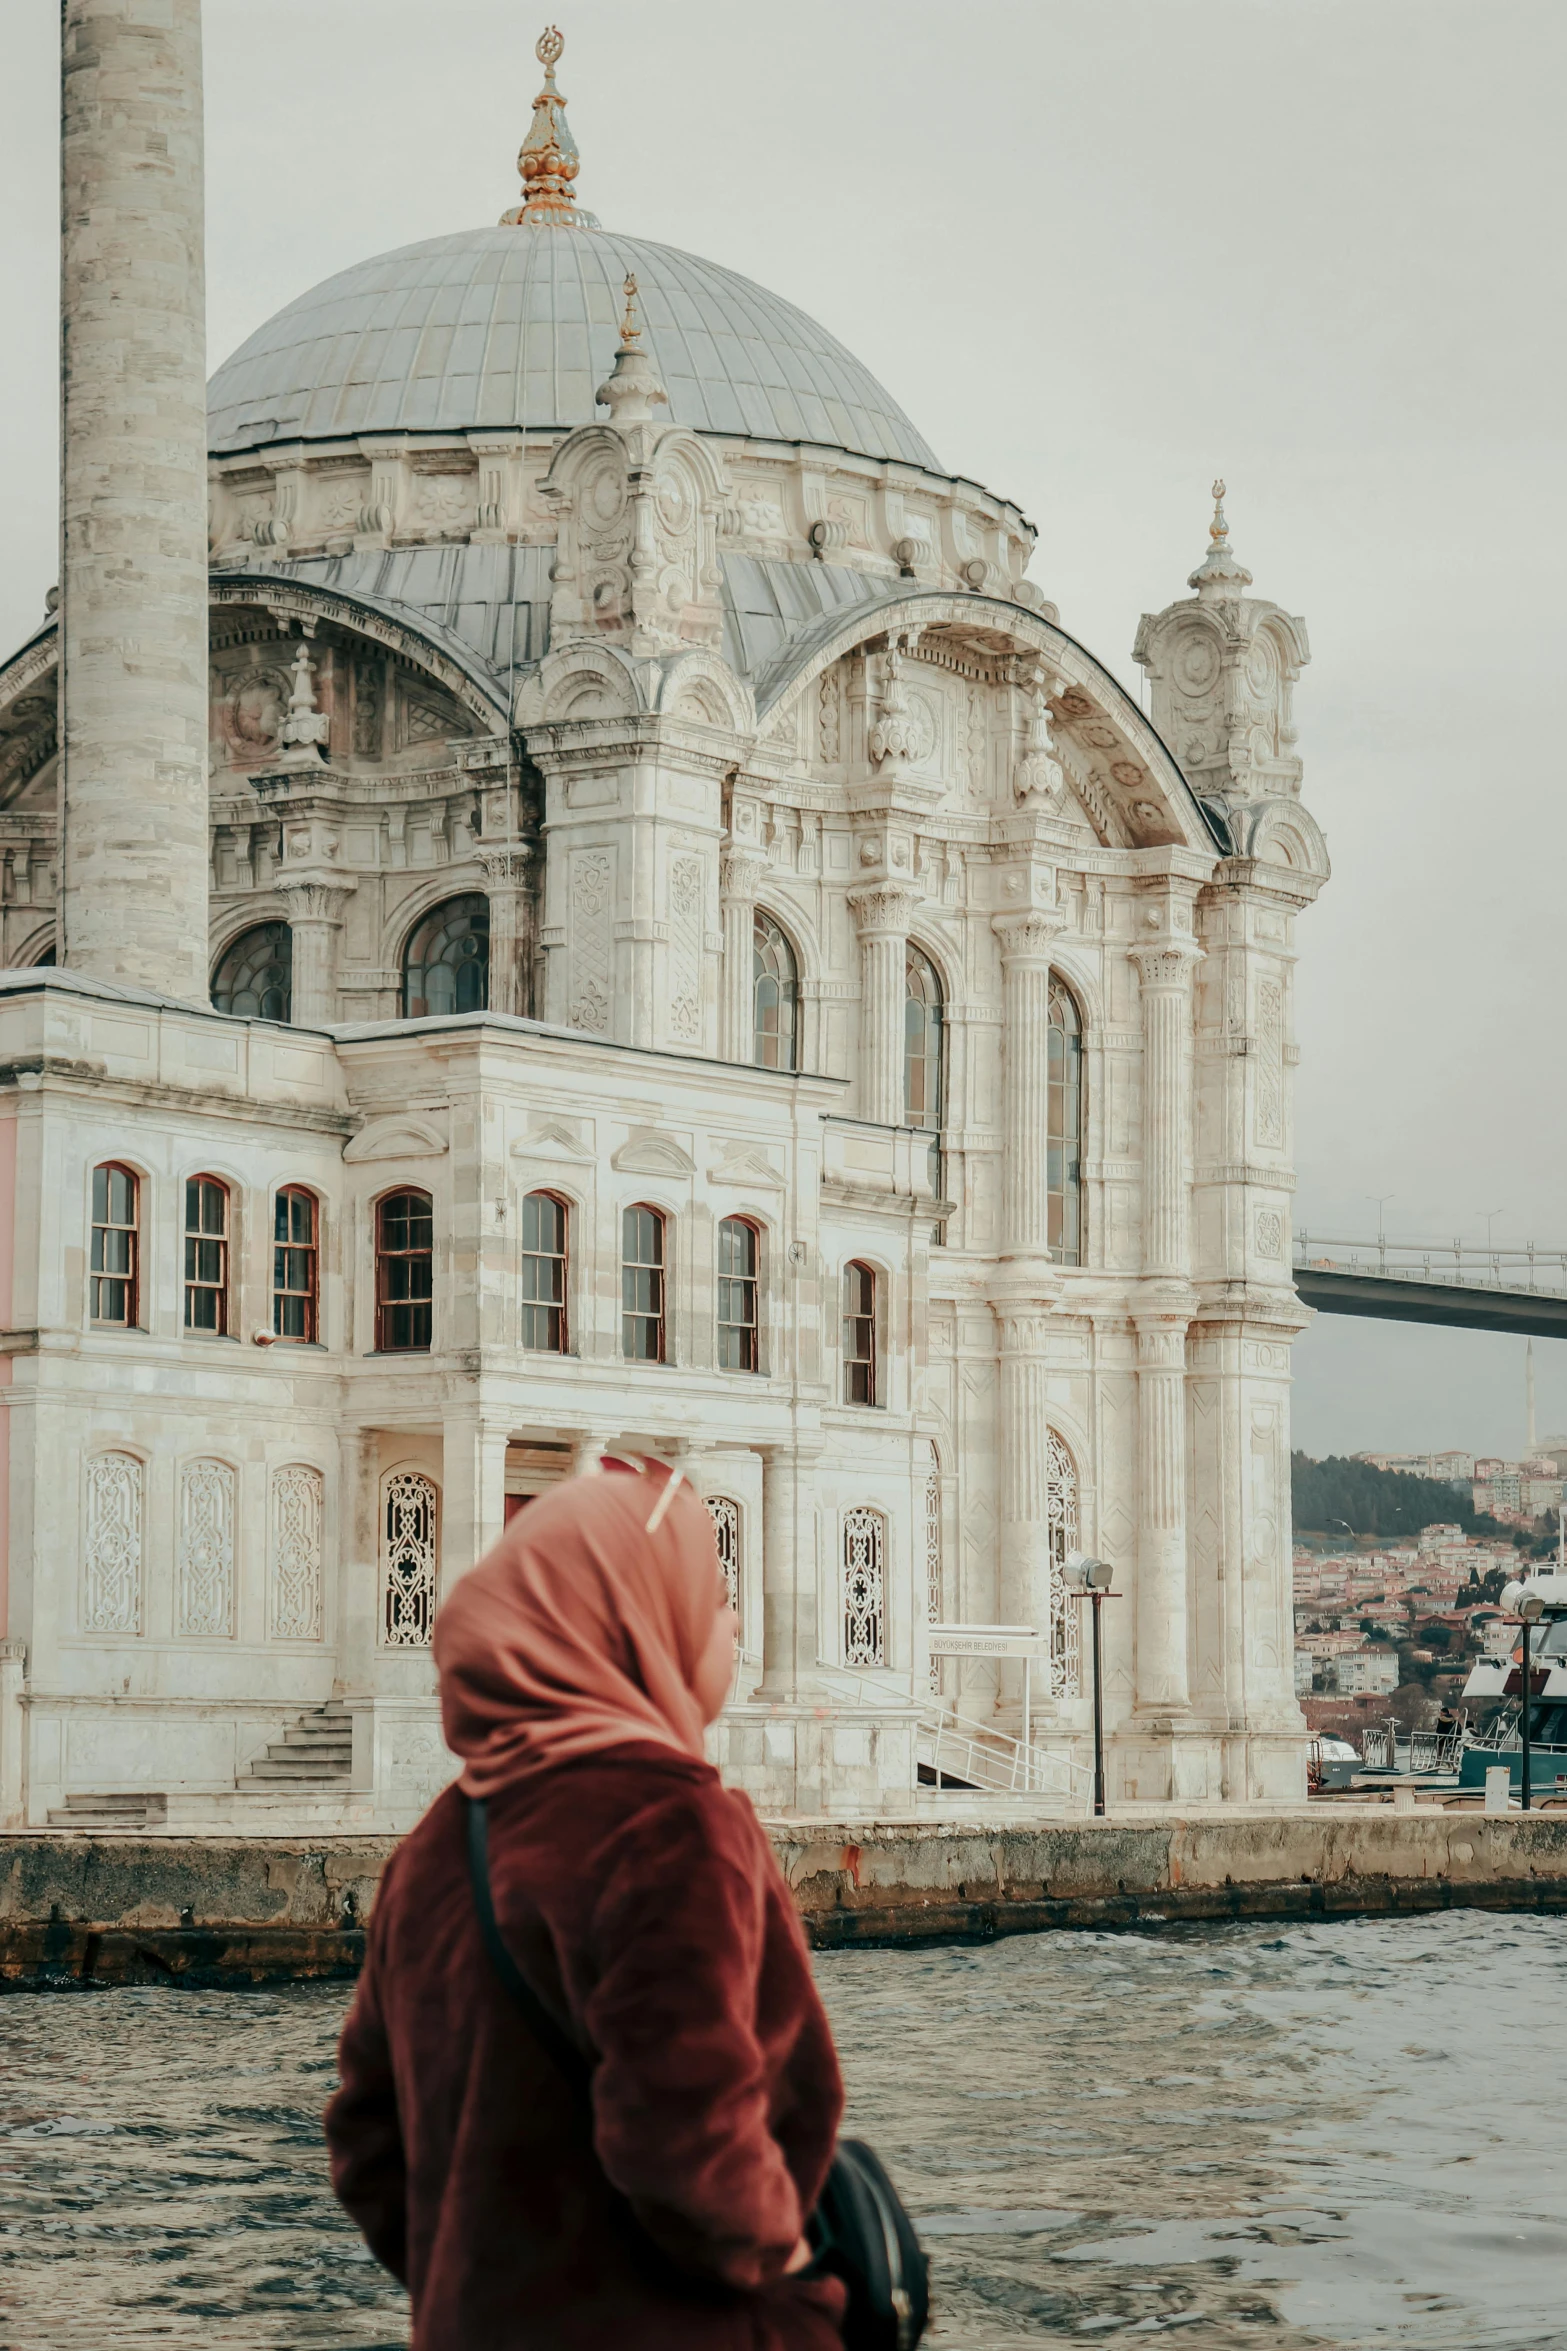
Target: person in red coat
[{"x": 579, "y": 1664}]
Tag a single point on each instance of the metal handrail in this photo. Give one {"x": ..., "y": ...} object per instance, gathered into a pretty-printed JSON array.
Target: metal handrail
[{"x": 1515, "y": 1266}]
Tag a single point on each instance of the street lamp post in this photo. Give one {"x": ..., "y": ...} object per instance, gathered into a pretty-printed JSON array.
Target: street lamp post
[
  {"x": 1530, "y": 1607},
  {"x": 1090, "y": 1579}
]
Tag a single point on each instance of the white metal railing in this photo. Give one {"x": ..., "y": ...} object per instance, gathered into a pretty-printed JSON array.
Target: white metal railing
[
  {"x": 950, "y": 1744},
  {"x": 1511, "y": 1266}
]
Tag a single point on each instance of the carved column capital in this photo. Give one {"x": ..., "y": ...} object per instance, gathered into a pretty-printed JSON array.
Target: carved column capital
[
  {"x": 883, "y": 909},
  {"x": 740, "y": 873},
  {"x": 1165, "y": 964},
  {"x": 505, "y": 865},
  {"x": 316, "y": 896},
  {"x": 1027, "y": 937}
]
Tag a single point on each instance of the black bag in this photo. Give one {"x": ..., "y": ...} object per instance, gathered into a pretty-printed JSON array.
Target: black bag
[{"x": 859, "y": 2231}]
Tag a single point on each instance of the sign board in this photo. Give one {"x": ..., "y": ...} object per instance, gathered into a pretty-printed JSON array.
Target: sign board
[{"x": 984, "y": 1640}]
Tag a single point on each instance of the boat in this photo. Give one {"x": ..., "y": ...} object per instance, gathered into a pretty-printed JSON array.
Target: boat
[{"x": 1493, "y": 1678}]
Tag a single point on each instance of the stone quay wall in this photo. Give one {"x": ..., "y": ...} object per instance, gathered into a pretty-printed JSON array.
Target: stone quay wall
[{"x": 85, "y": 1910}]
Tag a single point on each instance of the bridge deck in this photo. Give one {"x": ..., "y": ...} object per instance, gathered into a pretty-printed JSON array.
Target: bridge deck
[{"x": 1465, "y": 1306}]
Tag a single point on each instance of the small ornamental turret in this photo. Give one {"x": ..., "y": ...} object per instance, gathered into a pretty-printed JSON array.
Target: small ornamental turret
[
  {"x": 304, "y": 732},
  {"x": 1222, "y": 667},
  {"x": 632, "y": 390},
  {"x": 548, "y": 160}
]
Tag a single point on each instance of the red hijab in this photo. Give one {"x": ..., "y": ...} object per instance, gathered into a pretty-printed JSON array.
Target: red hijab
[{"x": 581, "y": 1629}]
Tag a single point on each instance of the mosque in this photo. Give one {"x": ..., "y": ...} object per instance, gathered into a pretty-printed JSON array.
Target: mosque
[{"x": 562, "y": 888}]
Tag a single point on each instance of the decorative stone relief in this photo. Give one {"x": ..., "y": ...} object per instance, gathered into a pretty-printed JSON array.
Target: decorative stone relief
[
  {"x": 112, "y": 1550},
  {"x": 686, "y": 893},
  {"x": 864, "y": 1588},
  {"x": 829, "y": 706},
  {"x": 206, "y": 1549},
  {"x": 408, "y": 1560},
  {"x": 294, "y": 1578},
  {"x": 591, "y": 894},
  {"x": 1270, "y": 1233},
  {"x": 252, "y": 712},
  {"x": 902, "y": 730},
  {"x": 1268, "y": 1113},
  {"x": 1061, "y": 1522},
  {"x": 725, "y": 1516}
]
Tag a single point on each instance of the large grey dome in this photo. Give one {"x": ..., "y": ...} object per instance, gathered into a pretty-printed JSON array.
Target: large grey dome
[{"x": 517, "y": 326}]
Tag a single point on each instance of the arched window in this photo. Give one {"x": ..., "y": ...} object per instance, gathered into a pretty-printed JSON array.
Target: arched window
[
  {"x": 737, "y": 1291},
  {"x": 446, "y": 965},
  {"x": 404, "y": 1272},
  {"x": 255, "y": 977},
  {"x": 207, "y": 1256},
  {"x": 775, "y": 995},
  {"x": 1064, "y": 1129},
  {"x": 296, "y": 1265},
  {"x": 409, "y": 1526},
  {"x": 47, "y": 960},
  {"x": 642, "y": 1292},
  {"x": 864, "y": 1588},
  {"x": 922, "y": 1043},
  {"x": 859, "y": 1334},
  {"x": 1061, "y": 1526},
  {"x": 725, "y": 1516},
  {"x": 116, "y": 1247},
  {"x": 544, "y": 1229}
]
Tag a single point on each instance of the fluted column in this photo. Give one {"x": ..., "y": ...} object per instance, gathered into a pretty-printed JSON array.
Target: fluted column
[
  {"x": 133, "y": 579},
  {"x": 511, "y": 926},
  {"x": 315, "y": 921},
  {"x": 1026, "y": 941},
  {"x": 882, "y": 913},
  {"x": 791, "y": 1642},
  {"x": 739, "y": 873},
  {"x": 1025, "y": 1595},
  {"x": 1162, "y": 1605},
  {"x": 1165, "y": 969}
]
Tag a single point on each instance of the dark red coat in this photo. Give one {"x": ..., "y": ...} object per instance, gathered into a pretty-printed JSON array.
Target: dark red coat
[{"x": 646, "y": 1909}]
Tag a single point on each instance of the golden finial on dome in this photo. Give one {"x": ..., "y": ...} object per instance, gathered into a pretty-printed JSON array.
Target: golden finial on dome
[
  {"x": 629, "y": 329},
  {"x": 1218, "y": 529},
  {"x": 1219, "y": 574},
  {"x": 548, "y": 160}
]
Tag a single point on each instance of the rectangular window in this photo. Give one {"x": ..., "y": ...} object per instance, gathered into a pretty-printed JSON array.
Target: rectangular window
[
  {"x": 544, "y": 1273},
  {"x": 859, "y": 1335},
  {"x": 295, "y": 1266},
  {"x": 115, "y": 1241},
  {"x": 642, "y": 1286},
  {"x": 404, "y": 1272},
  {"x": 737, "y": 1253},
  {"x": 207, "y": 1257}
]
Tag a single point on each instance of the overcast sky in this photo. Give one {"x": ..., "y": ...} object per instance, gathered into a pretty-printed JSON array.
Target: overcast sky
[{"x": 1100, "y": 250}]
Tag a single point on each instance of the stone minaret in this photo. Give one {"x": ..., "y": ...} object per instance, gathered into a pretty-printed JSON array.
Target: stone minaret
[{"x": 133, "y": 576}]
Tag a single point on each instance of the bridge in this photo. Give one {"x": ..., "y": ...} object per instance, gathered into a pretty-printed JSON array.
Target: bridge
[{"x": 1515, "y": 1288}]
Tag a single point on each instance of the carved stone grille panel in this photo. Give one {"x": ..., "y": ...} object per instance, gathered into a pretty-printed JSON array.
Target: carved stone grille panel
[
  {"x": 686, "y": 882},
  {"x": 864, "y": 1588},
  {"x": 1270, "y": 1063},
  {"x": 294, "y": 1584},
  {"x": 409, "y": 1517},
  {"x": 112, "y": 1555},
  {"x": 592, "y": 888},
  {"x": 206, "y": 1555},
  {"x": 1061, "y": 1519},
  {"x": 933, "y": 1558},
  {"x": 725, "y": 1516}
]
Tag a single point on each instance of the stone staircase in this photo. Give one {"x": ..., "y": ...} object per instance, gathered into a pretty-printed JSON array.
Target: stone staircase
[
  {"x": 120, "y": 1809},
  {"x": 314, "y": 1756}
]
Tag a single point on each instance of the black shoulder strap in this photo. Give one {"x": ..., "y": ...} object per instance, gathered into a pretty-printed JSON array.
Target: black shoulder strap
[{"x": 565, "y": 2052}]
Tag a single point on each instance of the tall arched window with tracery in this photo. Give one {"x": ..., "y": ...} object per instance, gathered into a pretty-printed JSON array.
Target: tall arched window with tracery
[
  {"x": 255, "y": 976},
  {"x": 410, "y": 1508},
  {"x": 864, "y": 1588},
  {"x": 446, "y": 964},
  {"x": 924, "y": 1054},
  {"x": 1064, "y": 1128},
  {"x": 725, "y": 1516},
  {"x": 775, "y": 997},
  {"x": 1064, "y": 1614}
]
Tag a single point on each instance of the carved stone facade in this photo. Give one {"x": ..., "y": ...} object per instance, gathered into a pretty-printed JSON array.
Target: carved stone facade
[{"x": 521, "y": 735}]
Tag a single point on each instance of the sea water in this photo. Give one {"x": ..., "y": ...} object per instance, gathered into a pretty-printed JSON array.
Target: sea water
[{"x": 1342, "y": 2134}]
